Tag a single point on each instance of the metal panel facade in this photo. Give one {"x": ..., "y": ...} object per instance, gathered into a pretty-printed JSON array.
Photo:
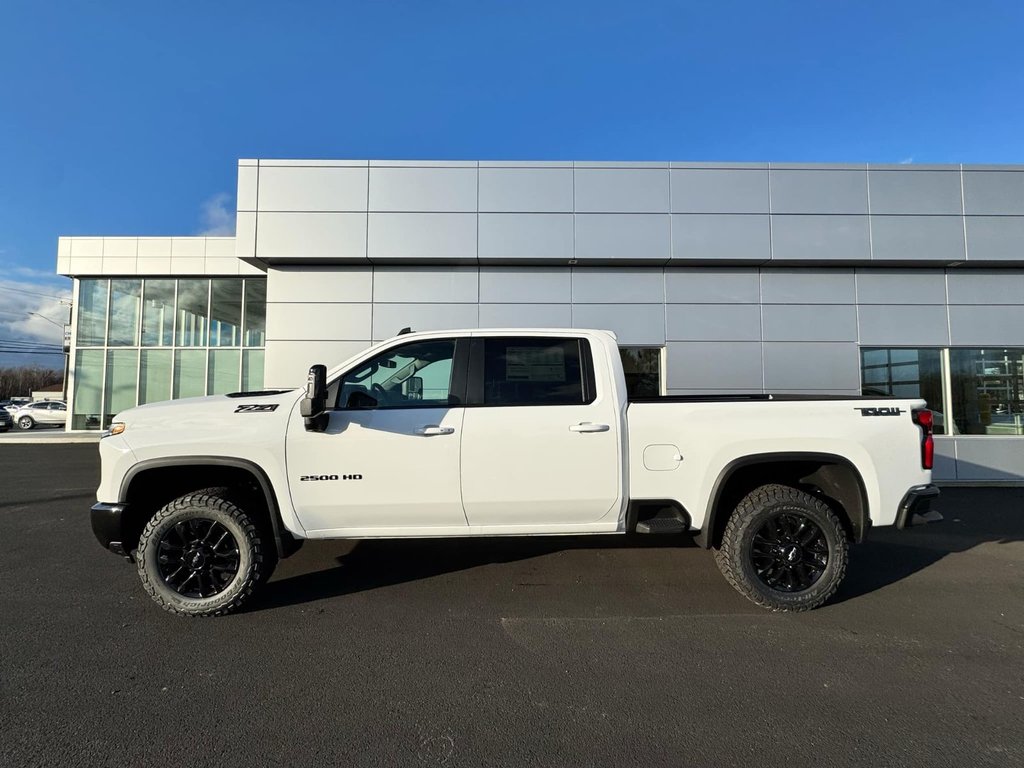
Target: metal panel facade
[{"x": 753, "y": 277}]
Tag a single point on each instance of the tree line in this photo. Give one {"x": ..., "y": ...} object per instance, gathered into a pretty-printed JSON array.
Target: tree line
[{"x": 22, "y": 381}]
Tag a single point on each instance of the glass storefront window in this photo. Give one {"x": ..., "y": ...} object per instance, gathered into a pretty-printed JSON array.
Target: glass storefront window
[
  {"x": 905, "y": 373},
  {"x": 226, "y": 312},
  {"x": 252, "y": 370},
  {"x": 158, "y": 314},
  {"x": 158, "y": 339},
  {"x": 123, "y": 321},
  {"x": 642, "y": 366},
  {"x": 189, "y": 373},
  {"x": 192, "y": 314},
  {"x": 122, "y": 379},
  {"x": 155, "y": 376},
  {"x": 988, "y": 390},
  {"x": 255, "y": 313},
  {"x": 92, "y": 312},
  {"x": 223, "y": 370},
  {"x": 88, "y": 392}
]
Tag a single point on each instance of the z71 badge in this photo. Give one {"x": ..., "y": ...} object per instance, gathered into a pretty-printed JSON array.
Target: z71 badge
[{"x": 256, "y": 408}]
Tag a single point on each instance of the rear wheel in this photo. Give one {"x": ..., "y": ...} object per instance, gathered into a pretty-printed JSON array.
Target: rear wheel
[
  {"x": 201, "y": 555},
  {"x": 784, "y": 549},
  {"x": 26, "y": 422}
]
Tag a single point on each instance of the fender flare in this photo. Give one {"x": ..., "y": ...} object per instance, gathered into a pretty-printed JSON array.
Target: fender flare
[
  {"x": 251, "y": 467},
  {"x": 714, "y": 499}
]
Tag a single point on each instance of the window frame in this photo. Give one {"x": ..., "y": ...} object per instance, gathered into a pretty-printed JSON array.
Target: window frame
[
  {"x": 477, "y": 382},
  {"x": 456, "y": 390}
]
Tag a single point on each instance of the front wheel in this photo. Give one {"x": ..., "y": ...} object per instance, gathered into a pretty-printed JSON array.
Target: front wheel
[
  {"x": 784, "y": 549},
  {"x": 26, "y": 422},
  {"x": 200, "y": 555}
]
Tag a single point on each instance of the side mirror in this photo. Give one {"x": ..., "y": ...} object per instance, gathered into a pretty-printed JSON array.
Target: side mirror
[
  {"x": 414, "y": 388},
  {"x": 313, "y": 406}
]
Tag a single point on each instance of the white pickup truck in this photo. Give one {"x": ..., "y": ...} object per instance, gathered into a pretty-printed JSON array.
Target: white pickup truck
[{"x": 503, "y": 433}]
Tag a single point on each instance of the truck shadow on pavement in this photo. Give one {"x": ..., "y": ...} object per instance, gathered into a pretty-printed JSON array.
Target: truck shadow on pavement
[{"x": 972, "y": 516}]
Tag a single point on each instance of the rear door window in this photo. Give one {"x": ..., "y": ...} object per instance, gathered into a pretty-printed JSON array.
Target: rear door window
[{"x": 536, "y": 371}]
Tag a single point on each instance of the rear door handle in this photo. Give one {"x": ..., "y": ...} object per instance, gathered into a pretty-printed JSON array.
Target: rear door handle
[
  {"x": 588, "y": 426},
  {"x": 433, "y": 429}
]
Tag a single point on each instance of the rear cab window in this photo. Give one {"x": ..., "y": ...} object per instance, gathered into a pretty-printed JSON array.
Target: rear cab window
[{"x": 532, "y": 370}]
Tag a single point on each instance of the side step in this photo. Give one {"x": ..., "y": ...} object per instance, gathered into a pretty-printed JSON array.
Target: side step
[{"x": 662, "y": 525}]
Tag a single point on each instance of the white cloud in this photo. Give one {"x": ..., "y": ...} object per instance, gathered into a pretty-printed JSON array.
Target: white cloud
[
  {"x": 907, "y": 160},
  {"x": 217, "y": 217},
  {"x": 31, "y": 312}
]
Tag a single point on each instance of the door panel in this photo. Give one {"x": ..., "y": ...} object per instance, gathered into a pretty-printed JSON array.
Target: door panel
[
  {"x": 383, "y": 469},
  {"x": 524, "y": 465},
  {"x": 541, "y": 444}
]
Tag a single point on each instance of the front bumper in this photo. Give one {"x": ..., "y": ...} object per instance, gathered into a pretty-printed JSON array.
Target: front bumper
[
  {"x": 916, "y": 507},
  {"x": 108, "y": 527}
]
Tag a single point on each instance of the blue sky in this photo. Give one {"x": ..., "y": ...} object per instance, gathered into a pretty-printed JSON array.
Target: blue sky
[{"x": 128, "y": 117}]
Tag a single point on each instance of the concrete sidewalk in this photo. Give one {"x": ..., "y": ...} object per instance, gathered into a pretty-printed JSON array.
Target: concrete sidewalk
[{"x": 47, "y": 435}]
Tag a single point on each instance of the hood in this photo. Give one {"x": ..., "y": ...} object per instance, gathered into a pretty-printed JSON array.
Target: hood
[{"x": 212, "y": 411}]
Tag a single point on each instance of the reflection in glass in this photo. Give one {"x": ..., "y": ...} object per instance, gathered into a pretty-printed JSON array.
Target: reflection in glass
[
  {"x": 158, "y": 314},
  {"x": 125, "y": 297},
  {"x": 189, "y": 373},
  {"x": 122, "y": 376},
  {"x": 642, "y": 366},
  {"x": 905, "y": 373},
  {"x": 988, "y": 390},
  {"x": 255, "y": 313},
  {"x": 252, "y": 370},
  {"x": 192, "y": 316},
  {"x": 155, "y": 376},
  {"x": 222, "y": 376},
  {"x": 226, "y": 312},
  {"x": 88, "y": 389},
  {"x": 92, "y": 312}
]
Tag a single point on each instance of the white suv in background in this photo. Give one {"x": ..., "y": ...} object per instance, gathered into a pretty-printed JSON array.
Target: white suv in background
[{"x": 44, "y": 412}]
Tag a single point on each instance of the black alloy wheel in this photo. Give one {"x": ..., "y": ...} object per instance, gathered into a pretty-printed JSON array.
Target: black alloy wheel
[
  {"x": 202, "y": 554},
  {"x": 789, "y": 552},
  {"x": 198, "y": 558},
  {"x": 784, "y": 548}
]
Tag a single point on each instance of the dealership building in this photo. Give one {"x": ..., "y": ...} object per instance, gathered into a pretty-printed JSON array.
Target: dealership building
[{"x": 716, "y": 278}]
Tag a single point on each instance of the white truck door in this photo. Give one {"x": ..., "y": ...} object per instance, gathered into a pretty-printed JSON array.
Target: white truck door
[
  {"x": 540, "y": 442},
  {"x": 389, "y": 458}
]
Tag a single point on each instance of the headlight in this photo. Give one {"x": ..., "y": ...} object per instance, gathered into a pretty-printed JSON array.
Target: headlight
[{"x": 115, "y": 429}]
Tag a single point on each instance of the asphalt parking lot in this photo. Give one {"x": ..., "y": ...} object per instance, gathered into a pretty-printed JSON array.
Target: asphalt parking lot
[{"x": 522, "y": 652}]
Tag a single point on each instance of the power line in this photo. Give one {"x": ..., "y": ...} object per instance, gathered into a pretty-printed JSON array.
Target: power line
[
  {"x": 33, "y": 293},
  {"x": 26, "y": 352}
]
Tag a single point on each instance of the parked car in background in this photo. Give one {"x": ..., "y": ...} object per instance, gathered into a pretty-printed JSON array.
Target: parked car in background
[
  {"x": 6, "y": 422},
  {"x": 13, "y": 404},
  {"x": 44, "y": 413}
]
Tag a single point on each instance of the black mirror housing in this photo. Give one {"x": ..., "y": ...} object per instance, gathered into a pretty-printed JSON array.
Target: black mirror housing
[{"x": 313, "y": 406}]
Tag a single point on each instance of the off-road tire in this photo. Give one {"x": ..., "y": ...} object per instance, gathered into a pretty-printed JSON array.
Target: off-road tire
[
  {"x": 270, "y": 558},
  {"x": 208, "y": 504},
  {"x": 26, "y": 422},
  {"x": 734, "y": 556}
]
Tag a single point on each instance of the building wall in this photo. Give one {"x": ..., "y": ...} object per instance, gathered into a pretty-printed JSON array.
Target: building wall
[
  {"x": 628, "y": 213},
  {"x": 752, "y": 276},
  {"x": 725, "y": 329}
]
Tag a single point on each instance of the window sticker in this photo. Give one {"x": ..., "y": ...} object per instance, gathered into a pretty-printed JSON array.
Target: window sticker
[{"x": 535, "y": 364}]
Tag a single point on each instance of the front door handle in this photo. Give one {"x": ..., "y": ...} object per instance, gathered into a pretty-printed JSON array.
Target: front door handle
[
  {"x": 433, "y": 429},
  {"x": 588, "y": 426}
]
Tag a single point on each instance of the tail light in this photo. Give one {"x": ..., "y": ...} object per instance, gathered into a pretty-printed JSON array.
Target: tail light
[{"x": 923, "y": 419}]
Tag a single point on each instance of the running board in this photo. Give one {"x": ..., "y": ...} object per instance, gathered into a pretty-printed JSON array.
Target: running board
[{"x": 662, "y": 525}]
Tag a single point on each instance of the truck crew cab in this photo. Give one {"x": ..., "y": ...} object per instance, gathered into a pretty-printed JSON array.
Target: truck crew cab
[{"x": 503, "y": 432}]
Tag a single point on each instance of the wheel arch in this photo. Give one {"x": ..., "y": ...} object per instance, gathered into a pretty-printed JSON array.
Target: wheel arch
[
  {"x": 154, "y": 482},
  {"x": 835, "y": 476}
]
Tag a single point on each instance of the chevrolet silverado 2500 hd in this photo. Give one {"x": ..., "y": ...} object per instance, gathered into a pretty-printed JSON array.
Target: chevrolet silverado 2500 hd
[{"x": 503, "y": 432}]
